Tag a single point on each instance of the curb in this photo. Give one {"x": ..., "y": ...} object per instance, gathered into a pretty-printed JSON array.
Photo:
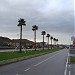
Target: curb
[{"x": 5, "y": 62}]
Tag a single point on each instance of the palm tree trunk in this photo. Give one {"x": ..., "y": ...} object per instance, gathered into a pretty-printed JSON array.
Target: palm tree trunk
[
  {"x": 35, "y": 39},
  {"x": 51, "y": 43},
  {"x": 43, "y": 42},
  {"x": 48, "y": 42},
  {"x": 21, "y": 38}
]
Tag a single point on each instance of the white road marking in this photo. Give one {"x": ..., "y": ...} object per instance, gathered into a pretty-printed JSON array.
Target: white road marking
[
  {"x": 65, "y": 73},
  {"x": 27, "y": 69},
  {"x": 69, "y": 72},
  {"x": 45, "y": 60},
  {"x": 69, "y": 69},
  {"x": 39, "y": 63},
  {"x": 17, "y": 74},
  {"x": 69, "y": 66}
]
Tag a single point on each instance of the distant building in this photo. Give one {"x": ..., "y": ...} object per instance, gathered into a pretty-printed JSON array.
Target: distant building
[
  {"x": 41, "y": 44},
  {"x": 6, "y": 42},
  {"x": 25, "y": 43}
]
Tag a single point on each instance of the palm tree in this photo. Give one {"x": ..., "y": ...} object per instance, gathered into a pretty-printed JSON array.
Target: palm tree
[
  {"x": 57, "y": 41},
  {"x": 54, "y": 39},
  {"x": 43, "y": 33},
  {"x": 48, "y": 35},
  {"x": 34, "y": 28},
  {"x": 51, "y": 41},
  {"x": 21, "y": 23}
]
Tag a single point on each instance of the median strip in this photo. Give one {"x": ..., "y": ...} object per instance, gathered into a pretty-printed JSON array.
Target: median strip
[
  {"x": 10, "y": 57},
  {"x": 72, "y": 59}
]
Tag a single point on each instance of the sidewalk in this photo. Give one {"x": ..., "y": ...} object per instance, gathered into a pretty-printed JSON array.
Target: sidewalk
[
  {"x": 71, "y": 70},
  {"x": 72, "y": 52}
]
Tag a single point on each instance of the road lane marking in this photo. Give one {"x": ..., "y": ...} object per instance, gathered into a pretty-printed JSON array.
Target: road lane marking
[
  {"x": 65, "y": 73},
  {"x": 66, "y": 67},
  {"x": 69, "y": 72},
  {"x": 69, "y": 66},
  {"x": 46, "y": 59},
  {"x": 27, "y": 69},
  {"x": 69, "y": 69},
  {"x": 17, "y": 74},
  {"x": 39, "y": 63}
]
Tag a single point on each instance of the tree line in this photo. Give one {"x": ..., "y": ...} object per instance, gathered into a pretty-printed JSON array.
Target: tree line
[{"x": 22, "y": 22}]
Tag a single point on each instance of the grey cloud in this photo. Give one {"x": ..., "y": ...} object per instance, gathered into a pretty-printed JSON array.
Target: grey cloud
[{"x": 51, "y": 21}]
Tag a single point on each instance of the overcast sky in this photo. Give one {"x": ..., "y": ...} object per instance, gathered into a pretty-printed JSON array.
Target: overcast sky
[{"x": 56, "y": 17}]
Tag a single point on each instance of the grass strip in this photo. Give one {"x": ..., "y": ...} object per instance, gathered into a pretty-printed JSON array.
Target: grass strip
[
  {"x": 72, "y": 58},
  {"x": 12, "y": 55}
]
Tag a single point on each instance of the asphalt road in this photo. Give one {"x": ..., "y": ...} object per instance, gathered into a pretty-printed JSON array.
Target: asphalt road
[{"x": 50, "y": 64}]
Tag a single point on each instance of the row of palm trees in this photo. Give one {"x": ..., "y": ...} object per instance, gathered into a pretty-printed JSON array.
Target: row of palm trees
[
  {"x": 43, "y": 33},
  {"x": 34, "y": 28},
  {"x": 48, "y": 36}
]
